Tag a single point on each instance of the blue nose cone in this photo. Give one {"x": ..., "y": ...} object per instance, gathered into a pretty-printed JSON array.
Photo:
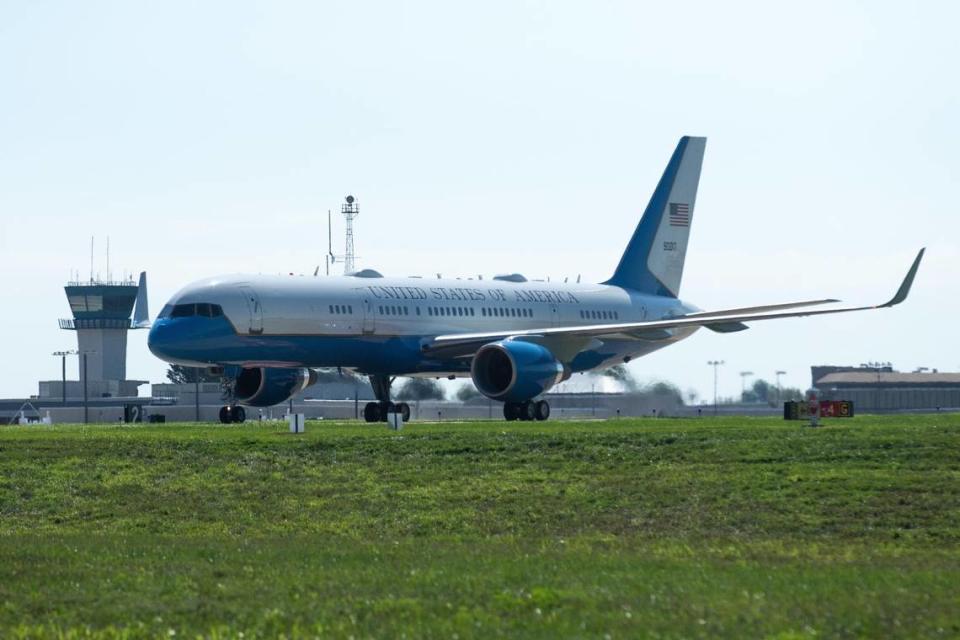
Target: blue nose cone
[{"x": 160, "y": 339}]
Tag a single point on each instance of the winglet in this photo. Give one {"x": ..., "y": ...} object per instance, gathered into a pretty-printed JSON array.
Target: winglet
[
  {"x": 904, "y": 289},
  {"x": 141, "y": 314}
]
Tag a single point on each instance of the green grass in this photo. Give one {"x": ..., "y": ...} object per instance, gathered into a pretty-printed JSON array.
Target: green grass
[{"x": 730, "y": 527}]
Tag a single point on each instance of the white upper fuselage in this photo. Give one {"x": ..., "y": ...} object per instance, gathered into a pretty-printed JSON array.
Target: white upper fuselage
[
  {"x": 303, "y": 305},
  {"x": 374, "y": 308}
]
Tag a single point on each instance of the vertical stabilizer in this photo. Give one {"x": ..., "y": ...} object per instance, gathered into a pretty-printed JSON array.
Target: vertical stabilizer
[
  {"x": 653, "y": 260},
  {"x": 141, "y": 313}
]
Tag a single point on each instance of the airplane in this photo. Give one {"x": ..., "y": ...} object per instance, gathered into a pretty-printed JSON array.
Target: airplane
[{"x": 515, "y": 338}]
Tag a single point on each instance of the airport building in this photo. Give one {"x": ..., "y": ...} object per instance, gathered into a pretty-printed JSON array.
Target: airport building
[
  {"x": 879, "y": 388},
  {"x": 103, "y": 313}
]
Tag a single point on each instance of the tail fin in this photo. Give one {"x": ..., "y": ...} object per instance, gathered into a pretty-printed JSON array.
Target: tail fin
[
  {"x": 653, "y": 260},
  {"x": 141, "y": 313}
]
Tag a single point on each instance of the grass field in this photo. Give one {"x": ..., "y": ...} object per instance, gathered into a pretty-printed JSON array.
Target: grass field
[{"x": 730, "y": 527}]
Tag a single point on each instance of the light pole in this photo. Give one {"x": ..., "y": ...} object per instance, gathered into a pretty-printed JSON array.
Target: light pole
[
  {"x": 196, "y": 394},
  {"x": 743, "y": 383},
  {"x": 86, "y": 405},
  {"x": 715, "y": 364},
  {"x": 779, "y": 388},
  {"x": 63, "y": 372}
]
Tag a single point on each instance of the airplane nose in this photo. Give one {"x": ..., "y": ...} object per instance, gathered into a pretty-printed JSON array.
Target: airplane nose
[{"x": 159, "y": 338}]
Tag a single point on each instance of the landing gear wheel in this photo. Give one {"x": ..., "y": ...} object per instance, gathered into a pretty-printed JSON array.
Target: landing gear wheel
[
  {"x": 528, "y": 410},
  {"x": 510, "y": 411},
  {"x": 385, "y": 408},
  {"x": 371, "y": 412},
  {"x": 239, "y": 414},
  {"x": 542, "y": 410},
  {"x": 404, "y": 410},
  {"x": 226, "y": 415}
]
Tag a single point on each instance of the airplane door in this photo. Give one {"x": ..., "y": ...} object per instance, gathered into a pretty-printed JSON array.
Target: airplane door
[
  {"x": 368, "y": 317},
  {"x": 250, "y": 296},
  {"x": 554, "y": 316}
]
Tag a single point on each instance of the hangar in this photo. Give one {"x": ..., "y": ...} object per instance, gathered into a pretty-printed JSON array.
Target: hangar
[{"x": 879, "y": 389}]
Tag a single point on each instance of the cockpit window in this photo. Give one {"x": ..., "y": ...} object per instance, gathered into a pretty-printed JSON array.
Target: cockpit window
[
  {"x": 165, "y": 312},
  {"x": 204, "y": 309},
  {"x": 184, "y": 311}
]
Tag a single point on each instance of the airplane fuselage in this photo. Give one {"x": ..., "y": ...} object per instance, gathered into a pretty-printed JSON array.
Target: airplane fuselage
[{"x": 378, "y": 325}]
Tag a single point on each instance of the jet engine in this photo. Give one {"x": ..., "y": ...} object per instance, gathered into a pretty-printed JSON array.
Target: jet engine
[
  {"x": 264, "y": 387},
  {"x": 514, "y": 370}
]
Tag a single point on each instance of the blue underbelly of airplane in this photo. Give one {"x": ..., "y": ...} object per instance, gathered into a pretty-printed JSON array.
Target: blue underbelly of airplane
[{"x": 214, "y": 341}]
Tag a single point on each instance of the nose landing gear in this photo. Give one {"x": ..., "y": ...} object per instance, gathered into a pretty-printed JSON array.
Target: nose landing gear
[
  {"x": 528, "y": 410},
  {"x": 232, "y": 413}
]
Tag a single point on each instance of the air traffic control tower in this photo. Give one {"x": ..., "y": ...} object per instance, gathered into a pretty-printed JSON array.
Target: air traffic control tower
[{"x": 101, "y": 317}]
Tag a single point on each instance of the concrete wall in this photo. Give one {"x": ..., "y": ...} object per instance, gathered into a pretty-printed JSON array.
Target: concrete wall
[{"x": 106, "y": 353}]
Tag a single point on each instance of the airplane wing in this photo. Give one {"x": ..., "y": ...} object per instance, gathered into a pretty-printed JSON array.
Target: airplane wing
[{"x": 465, "y": 344}]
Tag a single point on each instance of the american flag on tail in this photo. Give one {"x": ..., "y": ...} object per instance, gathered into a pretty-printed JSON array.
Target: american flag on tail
[{"x": 679, "y": 214}]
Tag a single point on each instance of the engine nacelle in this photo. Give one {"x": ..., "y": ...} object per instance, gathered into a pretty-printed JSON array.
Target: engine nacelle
[
  {"x": 263, "y": 387},
  {"x": 514, "y": 370}
]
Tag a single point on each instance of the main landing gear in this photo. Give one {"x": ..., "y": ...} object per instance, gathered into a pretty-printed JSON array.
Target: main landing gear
[
  {"x": 529, "y": 410},
  {"x": 232, "y": 413},
  {"x": 377, "y": 411}
]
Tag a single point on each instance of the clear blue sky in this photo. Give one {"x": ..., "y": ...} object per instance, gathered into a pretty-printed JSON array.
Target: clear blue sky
[{"x": 490, "y": 137}]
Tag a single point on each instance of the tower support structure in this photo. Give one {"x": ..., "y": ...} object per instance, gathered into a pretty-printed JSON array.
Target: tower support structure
[{"x": 350, "y": 211}]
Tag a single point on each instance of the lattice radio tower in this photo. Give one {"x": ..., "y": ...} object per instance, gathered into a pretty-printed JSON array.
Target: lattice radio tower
[{"x": 350, "y": 211}]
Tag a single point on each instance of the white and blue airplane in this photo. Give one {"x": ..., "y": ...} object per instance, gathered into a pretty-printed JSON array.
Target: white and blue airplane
[{"x": 515, "y": 338}]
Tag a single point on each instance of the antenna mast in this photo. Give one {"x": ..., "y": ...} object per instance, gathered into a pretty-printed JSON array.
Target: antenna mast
[
  {"x": 350, "y": 211},
  {"x": 329, "y": 242}
]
